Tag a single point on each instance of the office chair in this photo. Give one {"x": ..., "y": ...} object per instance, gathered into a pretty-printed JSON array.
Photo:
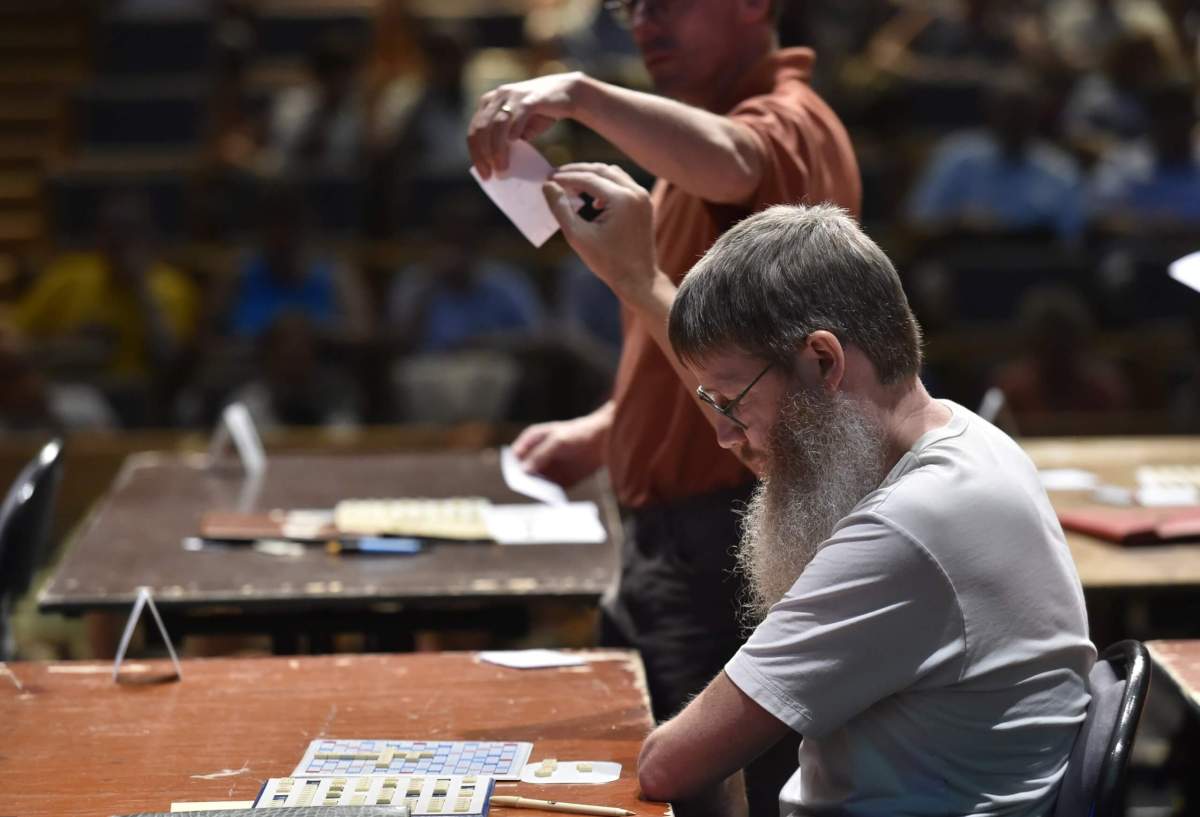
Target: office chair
[
  {"x": 24, "y": 529},
  {"x": 1094, "y": 782}
]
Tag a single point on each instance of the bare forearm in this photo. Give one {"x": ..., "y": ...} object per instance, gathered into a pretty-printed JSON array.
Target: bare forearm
[
  {"x": 652, "y": 306},
  {"x": 698, "y": 750},
  {"x": 707, "y": 155}
]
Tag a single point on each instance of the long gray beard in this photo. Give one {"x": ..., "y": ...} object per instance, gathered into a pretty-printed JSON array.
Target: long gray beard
[{"x": 826, "y": 455}]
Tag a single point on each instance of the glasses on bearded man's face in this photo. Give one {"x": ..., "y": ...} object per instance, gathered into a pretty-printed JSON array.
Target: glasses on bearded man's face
[
  {"x": 726, "y": 409},
  {"x": 657, "y": 10}
]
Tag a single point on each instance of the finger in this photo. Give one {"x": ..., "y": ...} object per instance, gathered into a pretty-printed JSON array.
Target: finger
[
  {"x": 479, "y": 134},
  {"x": 613, "y": 173},
  {"x": 560, "y": 205},
  {"x": 533, "y": 126},
  {"x": 541, "y": 457},
  {"x": 598, "y": 187},
  {"x": 477, "y": 144},
  {"x": 528, "y": 439},
  {"x": 500, "y": 135}
]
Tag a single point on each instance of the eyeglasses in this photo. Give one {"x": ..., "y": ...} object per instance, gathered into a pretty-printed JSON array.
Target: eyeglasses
[
  {"x": 625, "y": 10},
  {"x": 726, "y": 410}
]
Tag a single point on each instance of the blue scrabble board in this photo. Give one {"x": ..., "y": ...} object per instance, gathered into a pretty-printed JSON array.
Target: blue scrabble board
[{"x": 500, "y": 760}]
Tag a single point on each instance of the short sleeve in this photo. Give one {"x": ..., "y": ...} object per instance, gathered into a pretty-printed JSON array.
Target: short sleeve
[
  {"x": 872, "y": 614},
  {"x": 783, "y": 135}
]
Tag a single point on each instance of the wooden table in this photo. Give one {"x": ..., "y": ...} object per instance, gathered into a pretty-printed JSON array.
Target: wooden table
[
  {"x": 76, "y": 743},
  {"x": 1180, "y": 662},
  {"x": 133, "y": 537},
  {"x": 1104, "y": 565}
]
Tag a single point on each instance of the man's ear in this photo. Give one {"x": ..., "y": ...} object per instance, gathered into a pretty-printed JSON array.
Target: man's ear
[{"x": 830, "y": 358}]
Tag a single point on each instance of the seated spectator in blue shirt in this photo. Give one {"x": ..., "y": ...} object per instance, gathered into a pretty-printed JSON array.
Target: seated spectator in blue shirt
[
  {"x": 1153, "y": 185},
  {"x": 284, "y": 275},
  {"x": 457, "y": 296},
  {"x": 1002, "y": 179}
]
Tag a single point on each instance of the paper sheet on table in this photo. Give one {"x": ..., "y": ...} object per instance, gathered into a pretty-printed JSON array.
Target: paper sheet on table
[
  {"x": 518, "y": 192},
  {"x": 531, "y": 485},
  {"x": 576, "y": 523},
  {"x": 1068, "y": 479},
  {"x": 531, "y": 659},
  {"x": 1186, "y": 270}
]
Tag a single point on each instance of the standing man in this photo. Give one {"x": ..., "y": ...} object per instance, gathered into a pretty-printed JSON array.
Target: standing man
[{"x": 736, "y": 129}]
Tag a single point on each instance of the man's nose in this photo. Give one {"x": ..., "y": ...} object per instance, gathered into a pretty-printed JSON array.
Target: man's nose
[{"x": 729, "y": 433}]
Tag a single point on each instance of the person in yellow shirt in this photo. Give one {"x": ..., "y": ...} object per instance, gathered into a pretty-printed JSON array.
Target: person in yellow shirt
[{"x": 117, "y": 311}]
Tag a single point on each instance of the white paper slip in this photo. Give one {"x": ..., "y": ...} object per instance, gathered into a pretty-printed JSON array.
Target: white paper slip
[
  {"x": 215, "y": 805},
  {"x": 1068, "y": 479},
  {"x": 518, "y": 192},
  {"x": 571, "y": 771},
  {"x": 1167, "y": 496},
  {"x": 531, "y": 659},
  {"x": 1113, "y": 495},
  {"x": 576, "y": 523},
  {"x": 1186, "y": 270},
  {"x": 531, "y": 485},
  {"x": 1168, "y": 475}
]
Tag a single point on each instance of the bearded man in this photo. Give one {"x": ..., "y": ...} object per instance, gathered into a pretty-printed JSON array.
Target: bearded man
[{"x": 919, "y": 618}]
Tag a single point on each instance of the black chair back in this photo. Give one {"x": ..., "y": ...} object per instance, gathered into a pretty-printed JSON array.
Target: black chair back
[
  {"x": 25, "y": 518},
  {"x": 1094, "y": 782}
]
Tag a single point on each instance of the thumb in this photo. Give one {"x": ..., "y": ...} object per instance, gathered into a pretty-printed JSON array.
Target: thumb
[{"x": 559, "y": 203}]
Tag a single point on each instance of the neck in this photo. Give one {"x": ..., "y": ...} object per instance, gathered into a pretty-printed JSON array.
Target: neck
[
  {"x": 907, "y": 412},
  {"x": 723, "y": 95}
]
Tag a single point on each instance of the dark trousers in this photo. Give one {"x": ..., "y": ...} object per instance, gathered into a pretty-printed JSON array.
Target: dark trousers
[{"x": 677, "y": 604}]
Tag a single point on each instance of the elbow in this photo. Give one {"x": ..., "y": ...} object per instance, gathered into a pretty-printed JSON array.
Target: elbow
[
  {"x": 736, "y": 177},
  {"x": 738, "y": 184},
  {"x": 655, "y": 779}
]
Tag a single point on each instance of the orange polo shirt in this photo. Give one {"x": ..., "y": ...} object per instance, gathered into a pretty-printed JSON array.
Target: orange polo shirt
[{"x": 661, "y": 448}]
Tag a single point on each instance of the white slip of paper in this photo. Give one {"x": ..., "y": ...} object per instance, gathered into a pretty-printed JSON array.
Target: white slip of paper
[
  {"x": 1186, "y": 270},
  {"x": 530, "y": 485},
  {"x": 531, "y": 659},
  {"x": 1068, "y": 479},
  {"x": 567, "y": 771},
  {"x": 518, "y": 192},
  {"x": 576, "y": 523},
  {"x": 1167, "y": 496}
]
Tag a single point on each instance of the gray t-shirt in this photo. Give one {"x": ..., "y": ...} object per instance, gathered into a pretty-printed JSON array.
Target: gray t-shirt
[{"x": 934, "y": 653}]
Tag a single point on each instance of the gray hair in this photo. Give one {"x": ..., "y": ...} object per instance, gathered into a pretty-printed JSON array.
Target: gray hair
[{"x": 782, "y": 274}]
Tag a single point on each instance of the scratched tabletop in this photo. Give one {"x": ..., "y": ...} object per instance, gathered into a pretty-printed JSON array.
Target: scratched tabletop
[
  {"x": 76, "y": 743},
  {"x": 134, "y": 537},
  {"x": 1180, "y": 662}
]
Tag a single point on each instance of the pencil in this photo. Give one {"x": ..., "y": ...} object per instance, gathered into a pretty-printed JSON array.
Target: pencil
[{"x": 555, "y": 805}]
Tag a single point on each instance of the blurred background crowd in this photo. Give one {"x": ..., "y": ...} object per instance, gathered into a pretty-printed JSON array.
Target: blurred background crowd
[{"x": 268, "y": 200}]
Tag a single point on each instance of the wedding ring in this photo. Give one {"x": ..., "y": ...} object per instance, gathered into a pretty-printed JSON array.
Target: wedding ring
[{"x": 506, "y": 108}]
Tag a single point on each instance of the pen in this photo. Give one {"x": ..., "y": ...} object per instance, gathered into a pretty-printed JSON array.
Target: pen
[
  {"x": 375, "y": 544},
  {"x": 555, "y": 805}
]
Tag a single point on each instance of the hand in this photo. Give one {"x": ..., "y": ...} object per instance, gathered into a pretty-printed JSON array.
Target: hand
[
  {"x": 564, "y": 452},
  {"x": 519, "y": 110},
  {"x": 618, "y": 245}
]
